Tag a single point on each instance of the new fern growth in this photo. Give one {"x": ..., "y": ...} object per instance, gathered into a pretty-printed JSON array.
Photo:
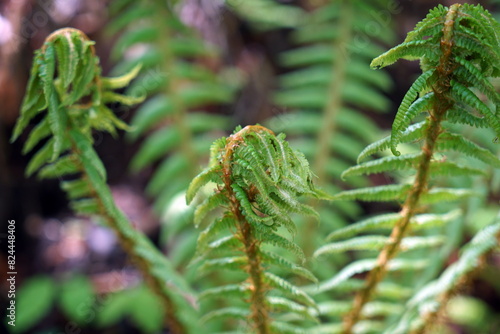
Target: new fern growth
[
  {"x": 459, "y": 49},
  {"x": 66, "y": 88},
  {"x": 258, "y": 180}
]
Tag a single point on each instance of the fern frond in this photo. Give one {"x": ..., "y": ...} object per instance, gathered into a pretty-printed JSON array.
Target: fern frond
[
  {"x": 375, "y": 243},
  {"x": 258, "y": 179},
  {"x": 378, "y": 193},
  {"x": 455, "y": 142},
  {"x": 387, "y": 222},
  {"x": 458, "y": 51},
  {"x": 68, "y": 119},
  {"x": 407, "y": 161},
  {"x": 176, "y": 79},
  {"x": 413, "y": 132}
]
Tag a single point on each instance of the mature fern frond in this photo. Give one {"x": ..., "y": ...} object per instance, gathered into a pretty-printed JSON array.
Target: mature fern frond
[
  {"x": 258, "y": 179},
  {"x": 176, "y": 82},
  {"x": 71, "y": 96},
  {"x": 451, "y": 44},
  {"x": 328, "y": 90},
  {"x": 180, "y": 81}
]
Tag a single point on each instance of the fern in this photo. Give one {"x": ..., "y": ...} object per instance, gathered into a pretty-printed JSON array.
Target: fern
[
  {"x": 180, "y": 83},
  {"x": 258, "y": 179},
  {"x": 69, "y": 94},
  {"x": 328, "y": 87},
  {"x": 176, "y": 82},
  {"x": 451, "y": 44},
  {"x": 266, "y": 14}
]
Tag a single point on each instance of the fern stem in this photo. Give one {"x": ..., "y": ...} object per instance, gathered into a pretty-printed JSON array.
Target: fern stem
[
  {"x": 420, "y": 184},
  {"x": 113, "y": 217},
  {"x": 259, "y": 315}
]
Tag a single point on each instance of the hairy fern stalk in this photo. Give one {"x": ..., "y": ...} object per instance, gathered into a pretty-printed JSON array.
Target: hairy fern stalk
[
  {"x": 458, "y": 49},
  {"x": 67, "y": 90},
  {"x": 258, "y": 179}
]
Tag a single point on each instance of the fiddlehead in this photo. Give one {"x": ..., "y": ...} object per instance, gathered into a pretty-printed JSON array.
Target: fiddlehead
[
  {"x": 67, "y": 91},
  {"x": 258, "y": 181}
]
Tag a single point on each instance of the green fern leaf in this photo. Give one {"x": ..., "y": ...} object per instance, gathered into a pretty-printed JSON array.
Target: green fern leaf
[
  {"x": 232, "y": 290},
  {"x": 167, "y": 171},
  {"x": 76, "y": 189},
  {"x": 436, "y": 195},
  {"x": 379, "y": 193},
  {"x": 403, "y": 162},
  {"x": 226, "y": 263},
  {"x": 455, "y": 142},
  {"x": 149, "y": 113},
  {"x": 280, "y": 304},
  {"x": 155, "y": 146},
  {"x": 39, "y": 132},
  {"x": 403, "y": 120},
  {"x": 274, "y": 259},
  {"x": 208, "y": 205},
  {"x": 413, "y": 132},
  {"x": 410, "y": 50},
  {"x": 288, "y": 289},
  {"x": 65, "y": 165},
  {"x": 228, "y": 312},
  {"x": 361, "y": 266},
  {"x": 140, "y": 35},
  {"x": 464, "y": 95},
  {"x": 453, "y": 169}
]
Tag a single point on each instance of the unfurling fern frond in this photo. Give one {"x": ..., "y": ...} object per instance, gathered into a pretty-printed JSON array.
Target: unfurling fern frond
[
  {"x": 458, "y": 48},
  {"x": 258, "y": 179},
  {"x": 69, "y": 94}
]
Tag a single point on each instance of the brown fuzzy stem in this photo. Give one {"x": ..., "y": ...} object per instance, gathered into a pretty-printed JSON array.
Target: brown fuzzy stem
[
  {"x": 127, "y": 243},
  {"x": 410, "y": 206},
  {"x": 259, "y": 316}
]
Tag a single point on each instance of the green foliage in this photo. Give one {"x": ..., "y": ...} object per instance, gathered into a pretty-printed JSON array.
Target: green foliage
[
  {"x": 77, "y": 299},
  {"x": 132, "y": 304},
  {"x": 326, "y": 96},
  {"x": 33, "y": 301},
  {"x": 69, "y": 115},
  {"x": 266, "y": 14},
  {"x": 450, "y": 44},
  {"x": 258, "y": 179},
  {"x": 430, "y": 297},
  {"x": 176, "y": 82},
  {"x": 181, "y": 77}
]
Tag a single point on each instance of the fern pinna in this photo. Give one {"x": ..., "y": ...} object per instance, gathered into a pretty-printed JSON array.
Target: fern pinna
[
  {"x": 330, "y": 83},
  {"x": 66, "y": 88},
  {"x": 458, "y": 48},
  {"x": 258, "y": 179}
]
